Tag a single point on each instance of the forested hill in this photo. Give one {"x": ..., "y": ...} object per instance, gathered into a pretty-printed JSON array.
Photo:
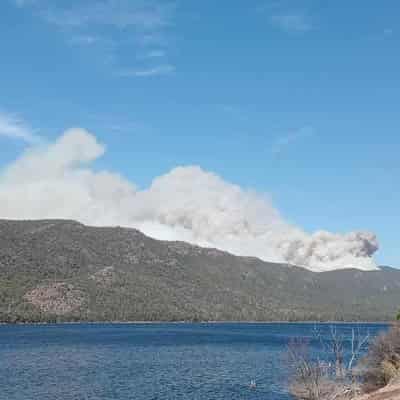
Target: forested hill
[{"x": 65, "y": 271}]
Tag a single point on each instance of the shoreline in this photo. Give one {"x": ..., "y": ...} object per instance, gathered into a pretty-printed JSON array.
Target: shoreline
[{"x": 199, "y": 323}]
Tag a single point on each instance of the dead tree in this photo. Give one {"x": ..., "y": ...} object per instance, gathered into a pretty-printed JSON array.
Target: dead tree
[
  {"x": 308, "y": 373},
  {"x": 316, "y": 379}
]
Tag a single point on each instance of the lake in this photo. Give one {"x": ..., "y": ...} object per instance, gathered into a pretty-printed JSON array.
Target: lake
[{"x": 151, "y": 361}]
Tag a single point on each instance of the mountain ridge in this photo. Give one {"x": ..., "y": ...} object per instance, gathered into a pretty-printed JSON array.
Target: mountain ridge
[{"x": 65, "y": 271}]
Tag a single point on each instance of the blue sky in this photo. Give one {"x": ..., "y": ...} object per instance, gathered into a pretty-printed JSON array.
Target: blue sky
[{"x": 297, "y": 99}]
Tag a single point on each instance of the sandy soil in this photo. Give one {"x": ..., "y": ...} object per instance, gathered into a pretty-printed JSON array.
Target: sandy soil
[{"x": 391, "y": 392}]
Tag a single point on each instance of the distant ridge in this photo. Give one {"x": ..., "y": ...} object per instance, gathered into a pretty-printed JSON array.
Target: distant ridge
[{"x": 58, "y": 270}]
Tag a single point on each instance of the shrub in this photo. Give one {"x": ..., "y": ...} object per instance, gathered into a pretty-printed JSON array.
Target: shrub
[{"x": 382, "y": 362}]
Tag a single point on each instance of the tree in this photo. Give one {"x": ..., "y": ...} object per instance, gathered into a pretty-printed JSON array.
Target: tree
[
  {"x": 308, "y": 372},
  {"x": 316, "y": 379}
]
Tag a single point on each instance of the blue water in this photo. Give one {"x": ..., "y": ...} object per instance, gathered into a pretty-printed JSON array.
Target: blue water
[{"x": 150, "y": 361}]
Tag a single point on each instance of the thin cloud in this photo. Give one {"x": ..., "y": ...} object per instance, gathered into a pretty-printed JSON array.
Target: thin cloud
[
  {"x": 382, "y": 34},
  {"x": 284, "y": 141},
  {"x": 84, "y": 40},
  {"x": 292, "y": 22},
  {"x": 13, "y": 127},
  {"x": 121, "y": 14},
  {"x": 110, "y": 26},
  {"x": 154, "y": 54},
  {"x": 24, "y": 3},
  {"x": 286, "y": 17},
  {"x": 388, "y": 32},
  {"x": 153, "y": 71}
]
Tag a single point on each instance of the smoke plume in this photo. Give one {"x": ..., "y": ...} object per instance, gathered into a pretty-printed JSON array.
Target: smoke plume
[{"x": 57, "y": 181}]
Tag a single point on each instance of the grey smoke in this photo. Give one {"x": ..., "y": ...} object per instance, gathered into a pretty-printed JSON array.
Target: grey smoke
[{"x": 56, "y": 181}]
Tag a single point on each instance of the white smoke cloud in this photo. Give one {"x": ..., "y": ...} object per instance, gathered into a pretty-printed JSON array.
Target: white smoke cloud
[{"x": 188, "y": 203}]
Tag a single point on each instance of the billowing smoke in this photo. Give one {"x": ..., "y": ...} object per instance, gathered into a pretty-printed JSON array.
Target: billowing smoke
[{"x": 57, "y": 181}]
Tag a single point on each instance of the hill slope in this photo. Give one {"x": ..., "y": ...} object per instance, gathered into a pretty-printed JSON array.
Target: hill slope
[{"x": 63, "y": 270}]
